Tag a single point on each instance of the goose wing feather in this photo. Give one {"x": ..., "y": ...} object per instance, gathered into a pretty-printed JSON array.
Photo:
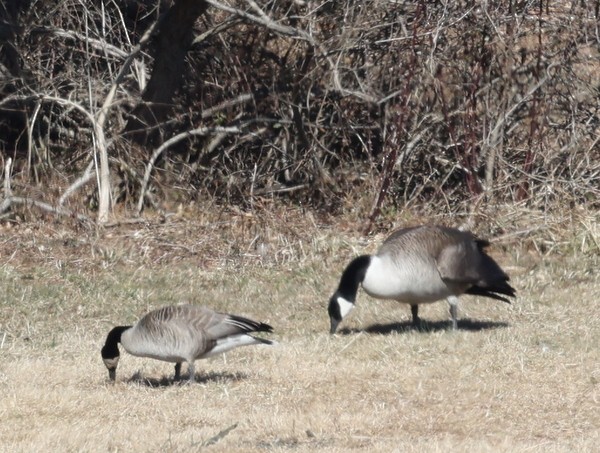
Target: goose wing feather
[
  {"x": 460, "y": 258},
  {"x": 171, "y": 333},
  {"x": 464, "y": 261}
]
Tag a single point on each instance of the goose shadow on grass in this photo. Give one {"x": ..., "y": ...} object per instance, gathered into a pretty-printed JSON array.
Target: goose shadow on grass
[
  {"x": 201, "y": 378},
  {"x": 469, "y": 325}
]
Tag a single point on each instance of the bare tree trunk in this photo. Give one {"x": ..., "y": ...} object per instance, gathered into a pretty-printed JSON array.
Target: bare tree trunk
[{"x": 173, "y": 39}]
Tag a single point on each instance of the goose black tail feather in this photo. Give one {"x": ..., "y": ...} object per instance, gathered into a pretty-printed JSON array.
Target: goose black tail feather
[
  {"x": 503, "y": 288},
  {"x": 248, "y": 325}
]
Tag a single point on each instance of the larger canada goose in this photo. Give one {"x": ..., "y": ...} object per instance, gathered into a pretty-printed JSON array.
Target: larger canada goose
[
  {"x": 421, "y": 265},
  {"x": 181, "y": 333}
]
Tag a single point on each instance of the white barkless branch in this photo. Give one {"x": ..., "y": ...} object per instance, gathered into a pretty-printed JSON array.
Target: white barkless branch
[
  {"x": 263, "y": 19},
  {"x": 173, "y": 140},
  {"x": 99, "y": 139},
  {"x": 7, "y": 170},
  {"x": 9, "y": 199},
  {"x": 87, "y": 175},
  {"x": 100, "y": 144},
  {"x": 104, "y": 174},
  {"x": 43, "y": 206}
]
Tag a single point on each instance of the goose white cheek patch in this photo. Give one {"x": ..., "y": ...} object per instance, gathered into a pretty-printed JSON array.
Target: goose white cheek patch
[{"x": 345, "y": 306}]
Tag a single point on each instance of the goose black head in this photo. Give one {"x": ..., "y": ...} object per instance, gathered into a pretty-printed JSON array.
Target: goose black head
[
  {"x": 110, "y": 350},
  {"x": 342, "y": 302}
]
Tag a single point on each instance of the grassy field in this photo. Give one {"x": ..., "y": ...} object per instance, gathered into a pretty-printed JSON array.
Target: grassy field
[{"x": 520, "y": 377}]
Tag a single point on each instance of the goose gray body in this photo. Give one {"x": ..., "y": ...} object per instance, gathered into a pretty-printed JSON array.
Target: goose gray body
[
  {"x": 422, "y": 265},
  {"x": 181, "y": 333}
]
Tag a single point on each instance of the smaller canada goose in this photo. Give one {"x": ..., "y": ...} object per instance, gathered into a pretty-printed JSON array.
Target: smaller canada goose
[
  {"x": 419, "y": 265},
  {"x": 181, "y": 333}
]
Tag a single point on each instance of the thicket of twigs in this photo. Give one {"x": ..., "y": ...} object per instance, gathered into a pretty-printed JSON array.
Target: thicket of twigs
[{"x": 433, "y": 102}]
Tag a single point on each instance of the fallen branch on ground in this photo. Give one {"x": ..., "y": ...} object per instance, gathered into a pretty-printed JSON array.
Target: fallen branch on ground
[{"x": 9, "y": 201}]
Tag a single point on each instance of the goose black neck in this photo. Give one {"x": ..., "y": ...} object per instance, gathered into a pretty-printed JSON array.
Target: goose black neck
[
  {"x": 110, "y": 349},
  {"x": 353, "y": 276}
]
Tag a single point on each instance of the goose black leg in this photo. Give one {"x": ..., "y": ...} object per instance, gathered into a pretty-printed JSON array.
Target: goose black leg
[{"x": 416, "y": 321}]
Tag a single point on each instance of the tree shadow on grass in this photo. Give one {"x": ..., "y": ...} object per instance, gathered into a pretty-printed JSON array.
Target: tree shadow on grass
[
  {"x": 201, "y": 378},
  {"x": 466, "y": 324}
]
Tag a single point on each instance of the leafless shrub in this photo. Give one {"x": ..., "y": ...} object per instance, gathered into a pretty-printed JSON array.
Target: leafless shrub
[{"x": 428, "y": 102}]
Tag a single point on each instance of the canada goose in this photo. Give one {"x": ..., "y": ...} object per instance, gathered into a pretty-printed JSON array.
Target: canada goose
[
  {"x": 420, "y": 265},
  {"x": 181, "y": 333}
]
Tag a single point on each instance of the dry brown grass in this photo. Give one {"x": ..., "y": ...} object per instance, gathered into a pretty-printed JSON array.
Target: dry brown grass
[{"x": 524, "y": 377}]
